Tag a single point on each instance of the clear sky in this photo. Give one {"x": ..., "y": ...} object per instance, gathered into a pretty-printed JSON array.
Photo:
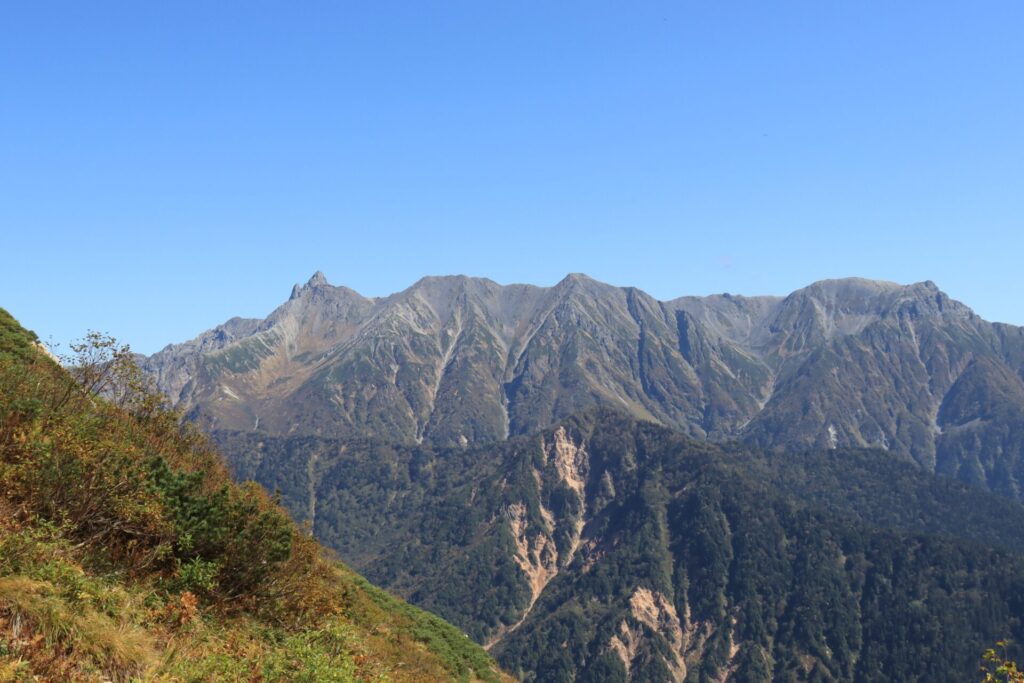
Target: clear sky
[{"x": 167, "y": 165}]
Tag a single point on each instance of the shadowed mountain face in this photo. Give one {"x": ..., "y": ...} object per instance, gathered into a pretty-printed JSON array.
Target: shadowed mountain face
[{"x": 453, "y": 361}]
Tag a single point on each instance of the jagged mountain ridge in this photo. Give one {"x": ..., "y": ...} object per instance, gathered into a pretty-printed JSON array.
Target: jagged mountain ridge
[{"x": 458, "y": 360}]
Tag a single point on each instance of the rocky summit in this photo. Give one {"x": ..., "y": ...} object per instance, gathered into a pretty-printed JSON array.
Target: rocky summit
[{"x": 455, "y": 361}]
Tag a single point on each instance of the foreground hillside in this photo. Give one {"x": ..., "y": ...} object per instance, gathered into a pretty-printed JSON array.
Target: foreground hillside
[
  {"x": 457, "y": 361},
  {"x": 126, "y": 553},
  {"x": 607, "y": 549}
]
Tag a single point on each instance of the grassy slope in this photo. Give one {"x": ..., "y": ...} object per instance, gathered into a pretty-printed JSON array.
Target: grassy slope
[{"x": 127, "y": 554}]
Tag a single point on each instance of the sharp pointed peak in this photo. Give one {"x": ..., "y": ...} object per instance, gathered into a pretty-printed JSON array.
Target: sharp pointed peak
[
  {"x": 574, "y": 281},
  {"x": 581, "y": 282},
  {"x": 317, "y": 280}
]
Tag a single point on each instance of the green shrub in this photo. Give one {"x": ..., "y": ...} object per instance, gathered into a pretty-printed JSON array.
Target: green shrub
[
  {"x": 196, "y": 576},
  {"x": 231, "y": 539},
  {"x": 313, "y": 657}
]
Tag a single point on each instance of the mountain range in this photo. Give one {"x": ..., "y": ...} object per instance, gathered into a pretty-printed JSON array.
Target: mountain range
[
  {"x": 454, "y": 361},
  {"x": 600, "y": 486}
]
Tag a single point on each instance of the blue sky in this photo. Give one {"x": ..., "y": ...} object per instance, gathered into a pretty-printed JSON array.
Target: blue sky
[{"x": 165, "y": 166}]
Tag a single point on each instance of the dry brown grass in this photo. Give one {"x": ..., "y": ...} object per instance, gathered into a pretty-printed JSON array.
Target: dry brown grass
[{"x": 60, "y": 640}]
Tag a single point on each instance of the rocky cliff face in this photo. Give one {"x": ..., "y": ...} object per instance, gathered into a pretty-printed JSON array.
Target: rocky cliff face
[{"x": 457, "y": 360}]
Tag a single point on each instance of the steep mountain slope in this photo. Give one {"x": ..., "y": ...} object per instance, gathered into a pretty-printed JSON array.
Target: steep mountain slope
[
  {"x": 982, "y": 422},
  {"x": 127, "y": 554},
  {"x": 606, "y": 549},
  {"x": 456, "y": 361}
]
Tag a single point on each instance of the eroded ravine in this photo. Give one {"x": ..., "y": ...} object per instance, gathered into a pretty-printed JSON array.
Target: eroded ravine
[{"x": 537, "y": 554}]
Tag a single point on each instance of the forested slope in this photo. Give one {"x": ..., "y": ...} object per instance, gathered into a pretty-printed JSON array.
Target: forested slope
[{"x": 608, "y": 549}]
